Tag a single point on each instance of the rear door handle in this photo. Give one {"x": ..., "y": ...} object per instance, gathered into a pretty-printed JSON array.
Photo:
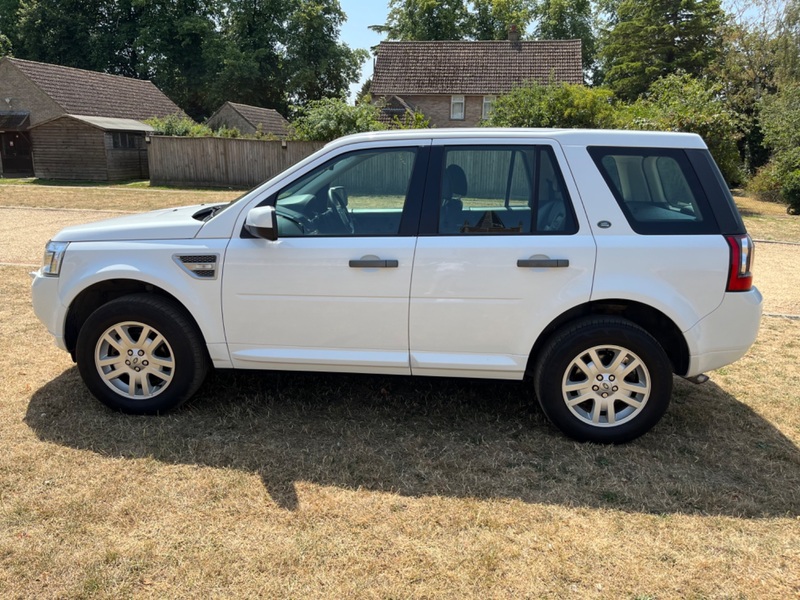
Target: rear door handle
[
  {"x": 543, "y": 263},
  {"x": 374, "y": 263}
]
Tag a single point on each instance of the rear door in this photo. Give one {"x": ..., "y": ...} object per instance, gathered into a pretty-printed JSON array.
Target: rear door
[{"x": 504, "y": 249}]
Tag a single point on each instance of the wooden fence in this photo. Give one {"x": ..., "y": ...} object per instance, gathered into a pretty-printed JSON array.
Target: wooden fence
[{"x": 221, "y": 162}]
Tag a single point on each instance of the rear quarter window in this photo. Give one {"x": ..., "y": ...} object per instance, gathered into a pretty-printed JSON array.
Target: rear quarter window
[{"x": 657, "y": 190}]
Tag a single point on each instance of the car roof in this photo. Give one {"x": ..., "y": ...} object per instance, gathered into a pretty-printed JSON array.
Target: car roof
[{"x": 566, "y": 137}]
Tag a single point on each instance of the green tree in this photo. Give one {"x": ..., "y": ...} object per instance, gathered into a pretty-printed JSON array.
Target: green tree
[
  {"x": 491, "y": 19},
  {"x": 9, "y": 22},
  {"x": 684, "y": 103},
  {"x": 566, "y": 20},
  {"x": 64, "y": 32},
  {"x": 319, "y": 64},
  {"x": 425, "y": 20},
  {"x": 780, "y": 120},
  {"x": 252, "y": 66},
  {"x": 555, "y": 105},
  {"x": 654, "y": 38}
]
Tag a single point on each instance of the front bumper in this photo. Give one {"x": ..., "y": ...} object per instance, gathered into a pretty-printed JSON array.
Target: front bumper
[{"x": 47, "y": 306}]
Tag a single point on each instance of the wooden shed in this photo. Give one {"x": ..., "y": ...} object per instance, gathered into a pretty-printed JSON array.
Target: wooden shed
[
  {"x": 74, "y": 124},
  {"x": 79, "y": 147},
  {"x": 249, "y": 119}
]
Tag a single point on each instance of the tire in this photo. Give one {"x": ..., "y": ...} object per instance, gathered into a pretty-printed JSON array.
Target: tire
[
  {"x": 603, "y": 379},
  {"x": 141, "y": 354}
]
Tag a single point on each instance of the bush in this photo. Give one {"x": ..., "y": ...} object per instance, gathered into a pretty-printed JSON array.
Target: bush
[
  {"x": 179, "y": 126},
  {"x": 765, "y": 185},
  {"x": 791, "y": 191},
  {"x": 554, "y": 105},
  {"x": 327, "y": 119}
]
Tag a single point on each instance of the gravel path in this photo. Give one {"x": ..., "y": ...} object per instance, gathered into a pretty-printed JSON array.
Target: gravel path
[{"x": 24, "y": 232}]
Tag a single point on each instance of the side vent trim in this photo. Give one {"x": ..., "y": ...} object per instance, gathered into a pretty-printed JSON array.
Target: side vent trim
[{"x": 199, "y": 266}]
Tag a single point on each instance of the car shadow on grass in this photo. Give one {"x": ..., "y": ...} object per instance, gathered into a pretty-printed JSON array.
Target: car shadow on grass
[{"x": 710, "y": 455}]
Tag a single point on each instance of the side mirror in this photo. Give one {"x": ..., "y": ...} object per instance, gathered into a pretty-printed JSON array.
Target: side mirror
[{"x": 262, "y": 222}]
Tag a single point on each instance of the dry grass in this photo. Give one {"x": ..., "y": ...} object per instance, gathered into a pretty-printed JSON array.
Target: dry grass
[
  {"x": 307, "y": 486},
  {"x": 117, "y": 198}
]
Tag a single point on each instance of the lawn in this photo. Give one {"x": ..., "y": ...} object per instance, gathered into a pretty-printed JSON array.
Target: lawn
[{"x": 334, "y": 486}]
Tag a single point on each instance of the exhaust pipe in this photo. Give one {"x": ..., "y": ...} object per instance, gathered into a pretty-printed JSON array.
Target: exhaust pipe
[{"x": 697, "y": 379}]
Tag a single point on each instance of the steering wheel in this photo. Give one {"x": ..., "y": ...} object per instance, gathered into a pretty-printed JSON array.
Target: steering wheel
[{"x": 337, "y": 196}]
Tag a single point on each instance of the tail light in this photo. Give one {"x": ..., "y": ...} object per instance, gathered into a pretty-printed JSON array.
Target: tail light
[{"x": 740, "y": 276}]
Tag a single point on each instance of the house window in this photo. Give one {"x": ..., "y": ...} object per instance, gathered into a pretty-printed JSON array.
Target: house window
[
  {"x": 457, "y": 108},
  {"x": 488, "y": 103},
  {"x": 123, "y": 139}
]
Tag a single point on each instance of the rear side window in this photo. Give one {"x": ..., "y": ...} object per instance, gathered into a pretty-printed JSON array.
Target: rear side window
[
  {"x": 657, "y": 189},
  {"x": 504, "y": 190}
]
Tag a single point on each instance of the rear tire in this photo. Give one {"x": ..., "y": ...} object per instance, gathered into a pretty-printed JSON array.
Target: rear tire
[
  {"x": 603, "y": 379},
  {"x": 141, "y": 354}
]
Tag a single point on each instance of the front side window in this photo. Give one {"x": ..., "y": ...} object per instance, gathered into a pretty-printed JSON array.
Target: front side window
[
  {"x": 504, "y": 190},
  {"x": 359, "y": 193},
  {"x": 656, "y": 188},
  {"x": 457, "y": 108}
]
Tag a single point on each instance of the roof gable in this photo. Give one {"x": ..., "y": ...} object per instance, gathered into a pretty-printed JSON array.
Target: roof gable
[
  {"x": 485, "y": 67},
  {"x": 270, "y": 118},
  {"x": 82, "y": 92}
]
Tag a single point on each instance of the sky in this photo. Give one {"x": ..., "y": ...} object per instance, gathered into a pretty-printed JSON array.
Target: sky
[{"x": 355, "y": 33}]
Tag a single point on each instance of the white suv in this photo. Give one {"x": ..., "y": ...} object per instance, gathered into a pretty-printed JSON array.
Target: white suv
[{"x": 597, "y": 262}]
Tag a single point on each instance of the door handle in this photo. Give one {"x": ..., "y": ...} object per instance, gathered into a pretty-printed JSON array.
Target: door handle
[
  {"x": 543, "y": 263},
  {"x": 374, "y": 263}
]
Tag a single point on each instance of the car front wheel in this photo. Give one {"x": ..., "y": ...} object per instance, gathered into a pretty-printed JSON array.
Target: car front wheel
[
  {"x": 141, "y": 354},
  {"x": 603, "y": 379}
]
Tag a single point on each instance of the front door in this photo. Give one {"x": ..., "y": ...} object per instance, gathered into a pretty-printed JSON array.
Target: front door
[
  {"x": 332, "y": 292},
  {"x": 503, "y": 250},
  {"x": 15, "y": 154}
]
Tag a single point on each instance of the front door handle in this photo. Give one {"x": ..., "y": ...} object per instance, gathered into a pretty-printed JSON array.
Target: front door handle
[
  {"x": 540, "y": 263},
  {"x": 374, "y": 263}
]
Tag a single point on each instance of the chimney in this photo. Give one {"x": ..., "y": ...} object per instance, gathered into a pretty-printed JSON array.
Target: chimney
[{"x": 513, "y": 33}]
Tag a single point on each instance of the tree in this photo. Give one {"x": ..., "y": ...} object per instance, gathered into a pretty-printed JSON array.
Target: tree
[
  {"x": 491, "y": 19},
  {"x": 64, "y": 32},
  {"x": 654, "y": 38},
  {"x": 252, "y": 66},
  {"x": 425, "y": 20},
  {"x": 319, "y": 65},
  {"x": 566, "y": 20},
  {"x": 554, "y": 105},
  {"x": 685, "y": 103}
]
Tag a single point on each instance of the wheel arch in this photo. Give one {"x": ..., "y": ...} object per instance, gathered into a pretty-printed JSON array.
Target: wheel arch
[
  {"x": 98, "y": 294},
  {"x": 652, "y": 320}
]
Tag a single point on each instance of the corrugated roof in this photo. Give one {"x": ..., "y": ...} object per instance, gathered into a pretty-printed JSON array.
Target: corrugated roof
[
  {"x": 14, "y": 120},
  {"x": 454, "y": 67},
  {"x": 271, "y": 120},
  {"x": 112, "y": 124},
  {"x": 99, "y": 94}
]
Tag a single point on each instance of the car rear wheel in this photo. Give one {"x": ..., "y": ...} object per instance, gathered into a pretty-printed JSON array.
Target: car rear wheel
[
  {"x": 141, "y": 354},
  {"x": 603, "y": 379}
]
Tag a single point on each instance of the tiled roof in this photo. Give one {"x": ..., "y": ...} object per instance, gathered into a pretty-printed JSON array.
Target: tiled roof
[
  {"x": 472, "y": 67},
  {"x": 271, "y": 119},
  {"x": 97, "y": 94}
]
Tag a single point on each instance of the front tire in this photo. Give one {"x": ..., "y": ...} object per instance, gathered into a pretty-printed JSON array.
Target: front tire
[
  {"x": 603, "y": 379},
  {"x": 141, "y": 354}
]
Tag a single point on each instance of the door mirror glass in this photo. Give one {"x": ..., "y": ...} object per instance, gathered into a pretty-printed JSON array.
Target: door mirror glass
[{"x": 262, "y": 222}]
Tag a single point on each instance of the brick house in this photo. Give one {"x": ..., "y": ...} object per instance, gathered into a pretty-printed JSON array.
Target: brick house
[
  {"x": 249, "y": 119},
  {"x": 64, "y": 123},
  {"x": 454, "y": 83}
]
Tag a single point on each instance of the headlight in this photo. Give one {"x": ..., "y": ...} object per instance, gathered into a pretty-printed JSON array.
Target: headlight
[{"x": 53, "y": 255}]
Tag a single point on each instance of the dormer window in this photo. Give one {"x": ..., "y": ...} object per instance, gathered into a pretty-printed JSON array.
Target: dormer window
[{"x": 456, "y": 108}]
